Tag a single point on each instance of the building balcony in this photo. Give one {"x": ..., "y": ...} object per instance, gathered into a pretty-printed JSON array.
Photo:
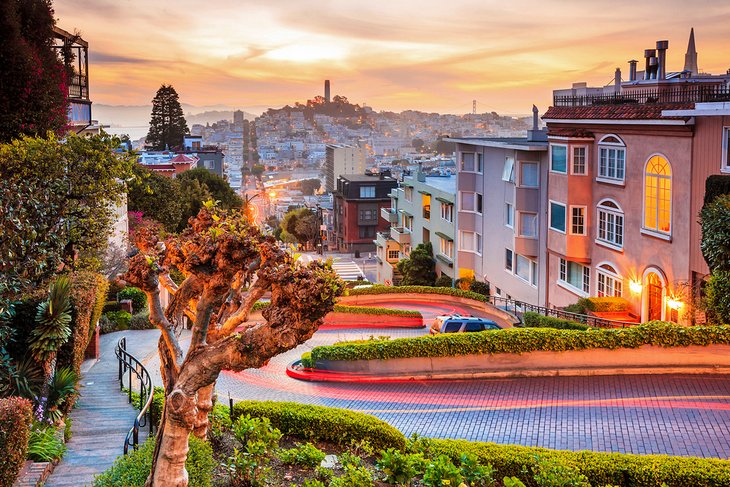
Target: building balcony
[
  {"x": 389, "y": 215},
  {"x": 527, "y": 246},
  {"x": 682, "y": 93},
  {"x": 527, "y": 199},
  {"x": 401, "y": 235}
]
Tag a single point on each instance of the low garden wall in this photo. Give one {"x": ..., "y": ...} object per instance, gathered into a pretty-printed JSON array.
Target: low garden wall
[{"x": 361, "y": 320}]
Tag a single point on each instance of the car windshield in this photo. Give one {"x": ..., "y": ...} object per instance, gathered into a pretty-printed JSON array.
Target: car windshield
[
  {"x": 474, "y": 326},
  {"x": 452, "y": 327}
]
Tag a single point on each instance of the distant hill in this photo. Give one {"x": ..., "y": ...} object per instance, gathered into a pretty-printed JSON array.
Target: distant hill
[{"x": 138, "y": 116}]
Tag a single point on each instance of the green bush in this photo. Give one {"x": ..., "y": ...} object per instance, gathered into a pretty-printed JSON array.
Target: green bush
[
  {"x": 111, "y": 306},
  {"x": 141, "y": 321},
  {"x": 353, "y": 477},
  {"x": 137, "y": 296},
  {"x": 600, "y": 305},
  {"x": 307, "y": 455},
  {"x": 443, "y": 281},
  {"x": 522, "y": 340},
  {"x": 716, "y": 185},
  {"x": 106, "y": 325},
  {"x": 371, "y": 310},
  {"x": 442, "y": 471},
  {"x": 318, "y": 423},
  {"x": 44, "y": 445},
  {"x": 307, "y": 360},
  {"x": 121, "y": 318},
  {"x": 479, "y": 288},
  {"x": 16, "y": 415},
  {"x": 156, "y": 406},
  {"x": 400, "y": 468},
  {"x": 475, "y": 474},
  {"x": 250, "y": 465},
  {"x": 600, "y": 469},
  {"x": 447, "y": 291},
  {"x": 535, "y": 320},
  {"x": 132, "y": 470}
]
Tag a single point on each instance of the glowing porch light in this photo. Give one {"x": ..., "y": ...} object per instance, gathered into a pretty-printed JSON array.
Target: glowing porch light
[
  {"x": 635, "y": 286},
  {"x": 674, "y": 303}
]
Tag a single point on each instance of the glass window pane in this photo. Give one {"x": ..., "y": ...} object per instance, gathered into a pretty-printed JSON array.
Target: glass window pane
[
  {"x": 528, "y": 175},
  {"x": 557, "y": 217},
  {"x": 559, "y": 158}
]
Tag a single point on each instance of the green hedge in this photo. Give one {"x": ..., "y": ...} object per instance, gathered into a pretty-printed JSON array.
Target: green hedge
[
  {"x": 360, "y": 310},
  {"x": 521, "y": 340},
  {"x": 716, "y": 185},
  {"x": 137, "y": 296},
  {"x": 447, "y": 291},
  {"x": 599, "y": 305},
  {"x": 319, "y": 423},
  {"x": 600, "y": 468},
  {"x": 535, "y": 320},
  {"x": 16, "y": 415},
  {"x": 156, "y": 406},
  {"x": 132, "y": 470}
]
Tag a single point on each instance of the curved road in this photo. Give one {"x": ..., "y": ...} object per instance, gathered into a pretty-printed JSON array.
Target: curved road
[{"x": 672, "y": 414}]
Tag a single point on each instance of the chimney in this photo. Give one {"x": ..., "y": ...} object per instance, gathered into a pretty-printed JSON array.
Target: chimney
[
  {"x": 662, "y": 47},
  {"x": 617, "y": 81},
  {"x": 632, "y": 69},
  {"x": 649, "y": 54},
  {"x": 535, "y": 134},
  {"x": 327, "y": 90},
  {"x": 535, "y": 112}
]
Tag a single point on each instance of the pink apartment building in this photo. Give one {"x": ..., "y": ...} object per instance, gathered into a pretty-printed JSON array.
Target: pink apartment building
[{"x": 627, "y": 166}]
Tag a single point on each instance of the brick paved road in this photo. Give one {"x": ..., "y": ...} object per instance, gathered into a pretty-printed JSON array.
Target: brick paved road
[{"x": 675, "y": 414}]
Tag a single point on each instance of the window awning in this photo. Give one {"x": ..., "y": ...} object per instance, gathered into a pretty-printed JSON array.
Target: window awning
[
  {"x": 424, "y": 192},
  {"x": 405, "y": 213},
  {"x": 443, "y": 235},
  {"x": 444, "y": 200},
  {"x": 445, "y": 260}
]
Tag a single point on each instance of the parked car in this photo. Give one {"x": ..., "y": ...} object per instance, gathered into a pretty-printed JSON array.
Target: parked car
[{"x": 461, "y": 324}]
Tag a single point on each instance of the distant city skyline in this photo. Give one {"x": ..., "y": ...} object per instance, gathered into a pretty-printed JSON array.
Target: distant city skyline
[{"x": 426, "y": 55}]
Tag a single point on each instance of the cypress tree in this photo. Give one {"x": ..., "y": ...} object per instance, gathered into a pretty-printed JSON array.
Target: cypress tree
[{"x": 167, "y": 125}]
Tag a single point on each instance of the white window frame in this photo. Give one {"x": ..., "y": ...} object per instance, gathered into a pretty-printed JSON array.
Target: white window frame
[
  {"x": 479, "y": 163},
  {"x": 479, "y": 203},
  {"x": 550, "y": 216},
  {"x": 584, "y": 223},
  {"x": 509, "y": 215},
  {"x": 447, "y": 244},
  {"x": 461, "y": 201},
  {"x": 585, "y": 160},
  {"x": 537, "y": 174},
  {"x": 563, "y": 275},
  {"x": 521, "y": 231},
  {"x": 368, "y": 188},
  {"x": 617, "y": 213},
  {"x": 473, "y": 162},
  {"x": 655, "y": 232},
  {"x": 567, "y": 158},
  {"x": 516, "y": 259},
  {"x": 408, "y": 193},
  {"x": 397, "y": 254},
  {"x": 610, "y": 278},
  {"x": 725, "y": 162},
  {"x": 608, "y": 146},
  {"x": 447, "y": 210},
  {"x": 474, "y": 237},
  {"x": 508, "y": 172},
  {"x": 533, "y": 273},
  {"x": 511, "y": 267}
]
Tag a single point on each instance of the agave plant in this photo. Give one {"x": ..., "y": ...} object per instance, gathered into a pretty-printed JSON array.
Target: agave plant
[
  {"x": 23, "y": 378},
  {"x": 61, "y": 389},
  {"x": 52, "y": 329}
]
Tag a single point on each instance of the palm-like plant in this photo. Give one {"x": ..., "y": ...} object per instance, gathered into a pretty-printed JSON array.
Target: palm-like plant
[
  {"x": 62, "y": 387},
  {"x": 52, "y": 329}
]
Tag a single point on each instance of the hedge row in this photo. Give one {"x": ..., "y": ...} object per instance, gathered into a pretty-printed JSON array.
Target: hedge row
[
  {"x": 16, "y": 415},
  {"x": 600, "y": 305},
  {"x": 599, "y": 468},
  {"x": 132, "y": 470},
  {"x": 360, "y": 310},
  {"x": 521, "y": 340},
  {"x": 535, "y": 320},
  {"x": 447, "y": 291},
  {"x": 319, "y": 423}
]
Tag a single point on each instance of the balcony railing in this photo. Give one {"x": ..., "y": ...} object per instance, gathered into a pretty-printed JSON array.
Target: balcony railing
[
  {"x": 389, "y": 215},
  {"x": 695, "y": 93}
]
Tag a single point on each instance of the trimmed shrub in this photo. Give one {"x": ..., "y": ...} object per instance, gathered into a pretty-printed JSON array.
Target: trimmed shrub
[
  {"x": 156, "y": 406},
  {"x": 479, "y": 288},
  {"x": 463, "y": 283},
  {"x": 106, "y": 325},
  {"x": 535, "y": 320},
  {"x": 136, "y": 295},
  {"x": 141, "y": 321},
  {"x": 121, "y": 318},
  {"x": 600, "y": 305},
  {"x": 716, "y": 185},
  {"x": 443, "y": 281},
  {"x": 307, "y": 360},
  {"x": 16, "y": 415},
  {"x": 447, "y": 291},
  {"x": 318, "y": 423},
  {"x": 368, "y": 310},
  {"x": 522, "y": 340},
  {"x": 132, "y": 470},
  {"x": 599, "y": 468}
]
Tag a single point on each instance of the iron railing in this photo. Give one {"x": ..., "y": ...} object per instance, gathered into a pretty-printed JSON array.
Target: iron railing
[
  {"x": 129, "y": 365},
  {"x": 518, "y": 308},
  {"x": 694, "y": 93}
]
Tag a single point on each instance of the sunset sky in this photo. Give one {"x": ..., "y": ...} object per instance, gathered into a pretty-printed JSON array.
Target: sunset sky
[{"x": 392, "y": 55}]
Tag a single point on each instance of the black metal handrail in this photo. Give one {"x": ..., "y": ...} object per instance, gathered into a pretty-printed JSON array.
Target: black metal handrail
[
  {"x": 128, "y": 364},
  {"x": 518, "y": 308},
  {"x": 676, "y": 94}
]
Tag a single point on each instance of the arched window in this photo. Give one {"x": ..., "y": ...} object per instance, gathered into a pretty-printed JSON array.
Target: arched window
[
  {"x": 611, "y": 159},
  {"x": 658, "y": 195},
  {"x": 610, "y": 283},
  {"x": 610, "y": 224}
]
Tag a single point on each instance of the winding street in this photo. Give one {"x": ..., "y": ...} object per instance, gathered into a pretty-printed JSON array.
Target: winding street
[{"x": 670, "y": 414}]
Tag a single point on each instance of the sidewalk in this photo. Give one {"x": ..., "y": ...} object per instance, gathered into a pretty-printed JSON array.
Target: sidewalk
[{"x": 102, "y": 416}]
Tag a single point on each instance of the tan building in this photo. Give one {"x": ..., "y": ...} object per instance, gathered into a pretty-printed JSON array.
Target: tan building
[{"x": 340, "y": 160}]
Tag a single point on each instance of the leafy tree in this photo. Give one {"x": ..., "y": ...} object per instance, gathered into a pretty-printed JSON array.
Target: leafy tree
[
  {"x": 156, "y": 197},
  {"x": 33, "y": 80},
  {"x": 420, "y": 268},
  {"x": 167, "y": 125},
  {"x": 310, "y": 186},
  {"x": 57, "y": 203},
  {"x": 193, "y": 194},
  {"x": 257, "y": 170},
  {"x": 302, "y": 224},
  {"x": 715, "y": 224},
  {"x": 218, "y": 187},
  {"x": 218, "y": 253},
  {"x": 417, "y": 144}
]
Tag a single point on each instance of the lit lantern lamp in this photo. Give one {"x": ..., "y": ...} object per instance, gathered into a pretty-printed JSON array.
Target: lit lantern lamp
[
  {"x": 674, "y": 303},
  {"x": 635, "y": 286}
]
